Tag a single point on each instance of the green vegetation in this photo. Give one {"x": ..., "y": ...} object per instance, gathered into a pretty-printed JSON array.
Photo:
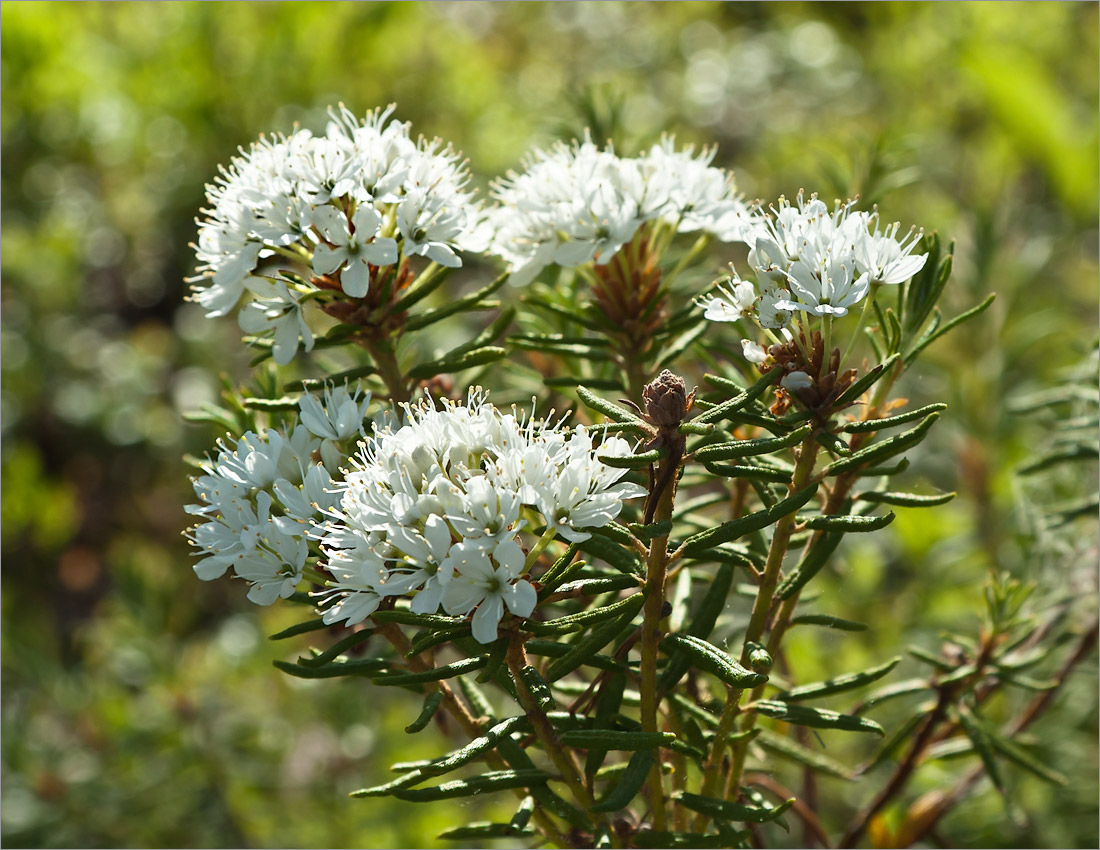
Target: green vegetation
[{"x": 142, "y": 707}]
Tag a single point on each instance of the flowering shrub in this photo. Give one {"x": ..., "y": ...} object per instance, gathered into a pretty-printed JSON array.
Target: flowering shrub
[{"x": 559, "y": 587}]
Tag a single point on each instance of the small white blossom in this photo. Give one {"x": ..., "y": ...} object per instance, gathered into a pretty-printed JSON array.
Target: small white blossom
[{"x": 355, "y": 246}]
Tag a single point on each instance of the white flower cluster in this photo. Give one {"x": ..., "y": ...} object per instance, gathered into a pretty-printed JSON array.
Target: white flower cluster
[
  {"x": 808, "y": 259},
  {"x": 363, "y": 194},
  {"x": 433, "y": 509},
  {"x": 575, "y": 204},
  {"x": 261, "y": 496}
]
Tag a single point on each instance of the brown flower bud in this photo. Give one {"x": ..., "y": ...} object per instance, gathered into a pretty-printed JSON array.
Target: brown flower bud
[{"x": 667, "y": 400}]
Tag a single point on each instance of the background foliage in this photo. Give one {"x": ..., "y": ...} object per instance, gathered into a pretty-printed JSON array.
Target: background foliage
[{"x": 141, "y": 708}]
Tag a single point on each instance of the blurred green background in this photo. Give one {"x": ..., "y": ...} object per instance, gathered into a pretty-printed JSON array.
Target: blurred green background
[{"x": 140, "y": 705}]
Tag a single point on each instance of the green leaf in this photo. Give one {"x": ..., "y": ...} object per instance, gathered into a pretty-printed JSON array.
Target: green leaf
[
  {"x": 609, "y": 701},
  {"x": 706, "y": 656},
  {"x": 1081, "y": 451},
  {"x": 733, "y": 529},
  {"x": 844, "y": 523},
  {"x": 817, "y": 718},
  {"x": 300, "y": 629},
  {"x": 865, "y": 426},
  {"x": 429, "y": 638},
  {"x": 589, "y": 349},
  {"x": 698, "y": 840},
  {"x": 556, "y": 649},
  {"x": 743, "y": 398},
  {"x": 334, "y": 379},
  {"x": 470, "y": 302},
  {"x": 499, "y": 780},
  {"x": 828, "y": 622},
  {"x": 537, "y": 687},
  {"x": 611, "y": 739},
  {"x": 556, "y": 573},
  {"x": 839, "y": 684},
  {"x": 284, "y": 403},
  {"x": 519, "y": 760},
  {"x": 431, "y": 704},
  {"x": 411, "y": 778},
  {"x": 624, "y": 560},
  {"x": 596, "y": 640},
  {"x": 882, "y": 450},
  {"x": 980, "y": 738},
  {"x": 796, "y": 752},
  {"x": 812, "y": 562},
  {"x": 338, "y": 648},
  {"x": 702, "y": 624},
  {"x": 865, "y": 382},
  {"x": 484, "y": 829},
  {"x": 661, "y": 528},
  {"x": 425, "y": 284},
  {"x": 749, "y": 448},
  {"x": 632, "y": 461},
  {"x": 726, "y": 810},
  {"x": 1025, "y": 760},
  {"x": 455, "y": 362},
  {"x": 582, "y": 619},
  {"x": 611, "y": 411},
  {"x": 408, "y": 618},
  {"x": 629, "y": 784},
  {"x": 928, "y": 338},
  {"x": 893, "y": 691},
  {"x": 906, "y": 500},
  {"x": 498, "y": 652},
  {"x": 598, "y": 585},
  {"x": 364, "y": 667},
  {"x": 448, "y": 671},
  {"x": 476, "y": 747}
]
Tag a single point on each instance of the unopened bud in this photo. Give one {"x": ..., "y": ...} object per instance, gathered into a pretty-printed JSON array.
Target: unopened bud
[{"x": 667, "y": 400}]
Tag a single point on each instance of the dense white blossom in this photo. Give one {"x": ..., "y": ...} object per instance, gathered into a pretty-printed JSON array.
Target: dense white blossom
[
  {"x": 261, "y": 495},
  {"x": 575, "y": 204},
  {"x": 433, "y": 507},
  {"x": 806, "y": 258},
  {"x": 363, "y": 194}
]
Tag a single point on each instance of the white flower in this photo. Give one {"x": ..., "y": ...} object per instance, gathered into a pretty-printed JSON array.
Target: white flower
[
  {"x": 277, "y": 312},
  {"x": 356, "y": 246},
  {"x": 753, "y": 352},
  {"x": 490, "y": 584},
  {"x": 886, "y": 260},
  {"x": 577, "y": 204},
  {"x": 826, "y": 285},
  {"x": 736, "y": 301},
  {"x": 434, "y": 504},
  {"x": 339, "y": 417}
]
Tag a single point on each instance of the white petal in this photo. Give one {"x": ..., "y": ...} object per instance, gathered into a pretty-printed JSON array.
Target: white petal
[
  {"x": 332, "y": 223},
  {"x": 521, "y": 598},
  {"x": 355, "y": 279},
  {"x": 486, "y": 618}
]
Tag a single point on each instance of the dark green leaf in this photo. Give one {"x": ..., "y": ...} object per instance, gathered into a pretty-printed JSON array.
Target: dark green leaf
[
  {"x": 448, "y": 671},
  {"x": 596, "y": 640},
  {"x": 750, "y": 448},
  {"x": 928, "y": 338},
  {"x": 796, "y": 752},
  {"x": 610, "y": 739},
  {"x": 865, "y": 426},
  {"x": 817, "y": 718},
  {"x": 843, "y": 523},
  {"x": 828, "y": 622},
  {"x": 865, "y": 382},
  {"x": 574, "y": 622},
  {"x": 743, "y": 398},
  {"x": 537, "y": 687},
  {"x": 838, "y": 684},
  {"x": 483, "y": 830},
  {"x": 469, "y": 302},
  {"x": 338, "y": 648},
  {"x": 475, "y": 749},
  {"x": 706, "y": 656},
  {"x": 455, "y": 362},
  {"x": 733, "y": 529},
  {"x": 907, "y": 500},
  {"x": 629, "y": 784},
  {"x": 883, "y": 450},
  {"x": 364, "y": 667},
  {"x": 727, "y": 810},
  {"x": 499, "y": 780},
  {"x": 300, "y": 629},
  {"x": 431, "y": 705}
]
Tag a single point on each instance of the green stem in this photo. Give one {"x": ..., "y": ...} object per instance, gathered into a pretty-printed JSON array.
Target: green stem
[
  {"x": 385, "y": 360},
  {"x": 544, "y": 730},
  {"x": 656, "y": 573},
  {"x": 757, "y": 621},
  {"x": 453, "y": 706},
  {"x": 868, "y": 303},
  {"x": 539, "y": 547}
]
